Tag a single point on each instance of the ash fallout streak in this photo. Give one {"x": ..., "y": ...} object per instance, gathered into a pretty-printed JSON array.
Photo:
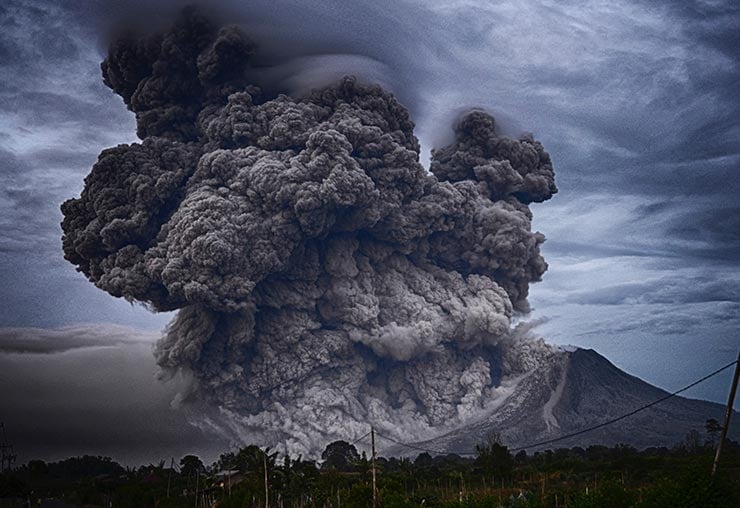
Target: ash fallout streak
[{"x": 325, "y": 279}]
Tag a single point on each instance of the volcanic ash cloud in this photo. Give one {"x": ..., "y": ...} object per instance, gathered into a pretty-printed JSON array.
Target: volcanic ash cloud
[{"x": 324, "y": 279}]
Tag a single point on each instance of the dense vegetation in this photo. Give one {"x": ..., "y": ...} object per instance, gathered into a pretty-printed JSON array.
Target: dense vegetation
[{"x": 597, "y": 476}]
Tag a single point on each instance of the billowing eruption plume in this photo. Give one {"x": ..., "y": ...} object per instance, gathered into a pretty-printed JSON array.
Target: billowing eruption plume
[{"x": 325, "y": 279}]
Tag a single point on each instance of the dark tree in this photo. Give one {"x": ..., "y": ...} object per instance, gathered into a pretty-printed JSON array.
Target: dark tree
[
  {"x": 37, "y": 468},
  {"x": 340, "y": 456},
  {"x": 252, "y": 459},
  {"x": 494, "y": 457},
  {"x": 423, "y": 460},
  {"x": 713, "y": 428},
  {"x": 691, "y": 441},
  {"x": 190, "y": 465}
]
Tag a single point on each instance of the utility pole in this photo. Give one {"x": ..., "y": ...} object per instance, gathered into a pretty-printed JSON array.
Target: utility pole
[
  {"x": 267, "y": 495},
  {"x": 542, "y": 494},
  {"x": 462, "y": 489},
  {"x": 197, "y": 483},
  {"x": 372, "y": 445},
  {"x": 169, "y": 475},
  {"x": 728, "y": 414}
]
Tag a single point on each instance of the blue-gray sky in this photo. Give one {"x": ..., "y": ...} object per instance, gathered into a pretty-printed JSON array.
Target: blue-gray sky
[{"x": 636, "y": 102}]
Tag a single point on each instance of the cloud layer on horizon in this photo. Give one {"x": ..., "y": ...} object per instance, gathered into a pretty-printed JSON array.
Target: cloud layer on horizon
[{"x": 93, "y": 389}]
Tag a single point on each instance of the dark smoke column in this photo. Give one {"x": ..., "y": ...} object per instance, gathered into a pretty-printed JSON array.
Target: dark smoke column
[{"x": 324, "y": 278}]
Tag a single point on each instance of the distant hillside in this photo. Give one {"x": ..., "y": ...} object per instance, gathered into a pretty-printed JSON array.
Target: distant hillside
[{"x": 573, "y": 390}]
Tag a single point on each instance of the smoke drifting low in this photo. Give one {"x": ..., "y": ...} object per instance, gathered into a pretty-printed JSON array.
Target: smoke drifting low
[{"x": 324, "y": 279}]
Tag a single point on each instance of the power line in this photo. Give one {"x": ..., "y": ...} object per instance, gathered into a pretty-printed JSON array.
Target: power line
[
  {"x": 361, "y": 438},
  {"x": 418, "y": 448},
  {"x": 577, "y": 433}
]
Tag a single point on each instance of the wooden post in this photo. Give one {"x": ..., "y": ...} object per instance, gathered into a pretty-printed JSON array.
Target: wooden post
[
  {"x": 542, "y": 495},
  {"x": 169, "y": 475},
  {"x": 459, "y": 490},
  {"x": 267, "y": 488},
  {"x": 728, "y": 414},
  {"x": 372, "y": 445},
  {"x": 197, "y": 482}
]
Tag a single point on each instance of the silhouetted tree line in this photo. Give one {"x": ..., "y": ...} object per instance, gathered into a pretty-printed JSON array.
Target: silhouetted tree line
[{"x": 578, "y": 477}]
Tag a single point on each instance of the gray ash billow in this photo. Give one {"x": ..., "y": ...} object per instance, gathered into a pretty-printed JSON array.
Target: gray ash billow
[{"x": 325, "y": 279}]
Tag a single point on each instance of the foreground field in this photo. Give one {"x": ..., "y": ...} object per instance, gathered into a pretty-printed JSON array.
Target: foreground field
[{"x": 594, "y": 477}]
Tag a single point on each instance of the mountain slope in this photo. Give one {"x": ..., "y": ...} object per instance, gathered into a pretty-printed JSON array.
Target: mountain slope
[{"x": 573, "y": 390}]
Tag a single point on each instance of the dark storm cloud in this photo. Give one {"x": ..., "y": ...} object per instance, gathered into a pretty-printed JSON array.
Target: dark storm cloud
[
  {"x": 58, "y": 340},
  {"x": 688, "y": 83},
  {"x": 710, "y": 231},
  {"x": 636, "y": 225},
  {"x": 93, "y": 390},
  {"x": 39, "y": 108},
  {"x": 306, "y": 223},
  {"x": 395, "y": 44},
  {"x": 58, "y": 113},
  {"x": 656, "y": 119},
  {"x": 55, "y": 115},
  {"x": 27, "y": 199},
  {"x": 684, "y": 144},
  {"x": 666, "y": 290},
  {"x": 636, "y": 102},
  {"x": 46, "y": 24},
  {"x": 43, "y": 293},
  {"x": 714, "y": 23}
]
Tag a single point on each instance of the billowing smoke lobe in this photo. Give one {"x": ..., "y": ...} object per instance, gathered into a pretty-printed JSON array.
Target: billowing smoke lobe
[{"x": 325, "y": 279}]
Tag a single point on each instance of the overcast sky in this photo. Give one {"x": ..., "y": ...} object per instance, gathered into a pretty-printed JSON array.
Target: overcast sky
[{"x": 636, "y": 102}]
